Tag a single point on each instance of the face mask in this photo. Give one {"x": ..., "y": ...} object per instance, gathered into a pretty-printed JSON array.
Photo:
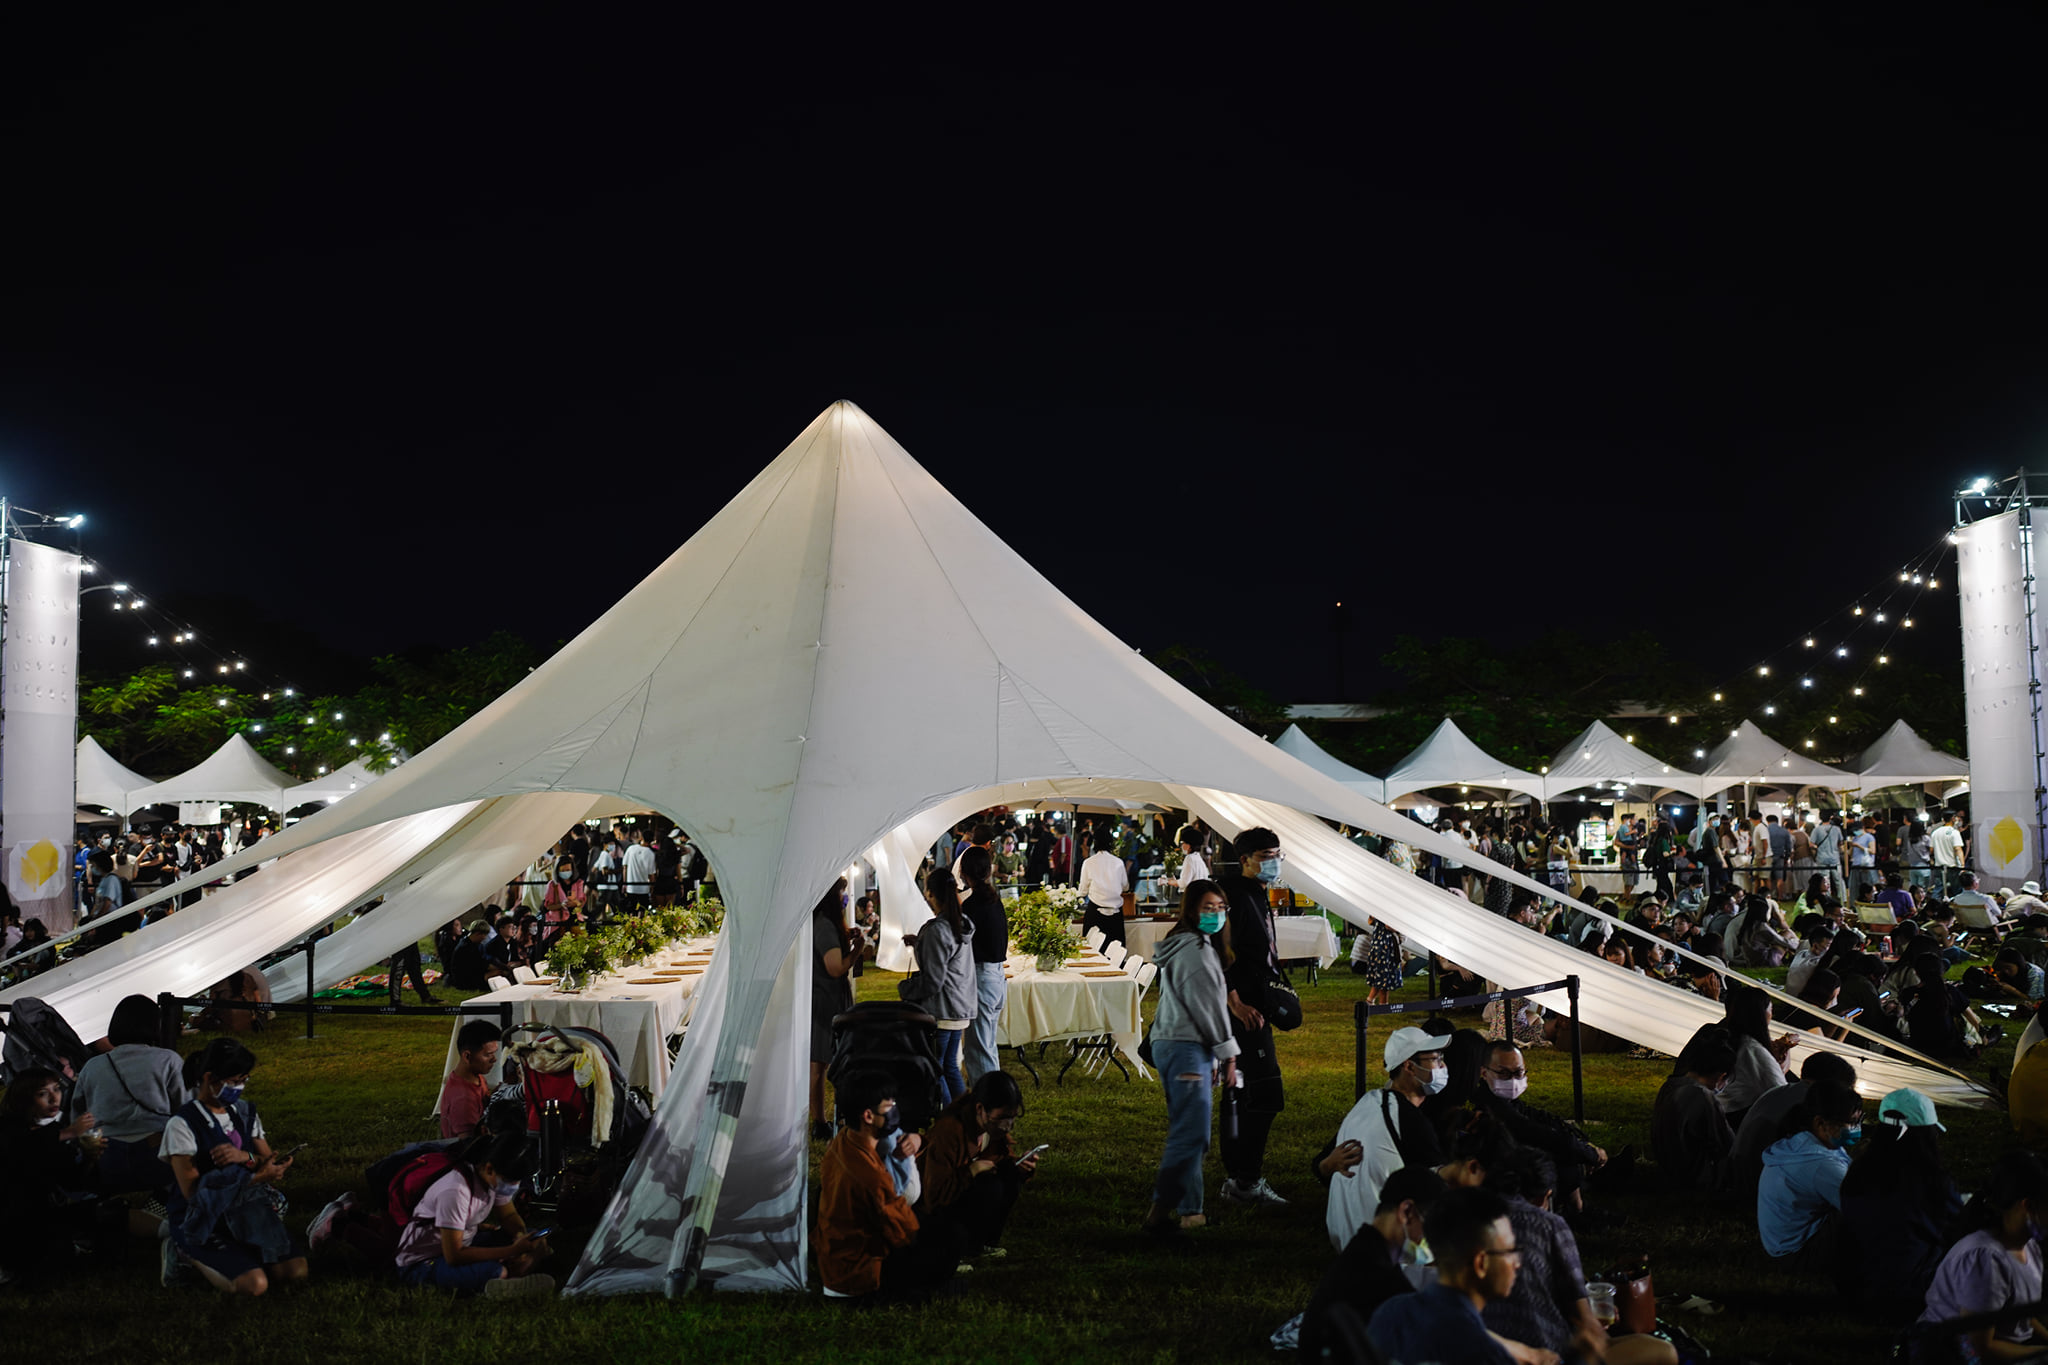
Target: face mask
[
  {"x": 1850, "y": 1136},
  {"x": 1269, "y": 872},
  {"x": 45, "y": 1123},
  {"x": 1508, "y": 1088},
  {"x": 893, "y": 1120},
  {"x": 1210, "y": 921},
  {"x": 230, "y": 1093},
  {"x": 505, "y": 1194},
  {"x": 1438, "y": 1079},
  {"x": 1415, "y": 1253},
  {"x": 565, "y": 876}
]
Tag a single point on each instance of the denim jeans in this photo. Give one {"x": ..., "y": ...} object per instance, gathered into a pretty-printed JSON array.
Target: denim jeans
[
  {"x": 1179, "y": 1185},
  {"x": 463, "y": 1279},
  {"x": 989, "y": 989},
  {"x": 949, "y": 1061}
]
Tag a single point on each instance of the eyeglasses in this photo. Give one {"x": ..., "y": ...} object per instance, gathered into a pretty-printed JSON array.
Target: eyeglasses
[
  {"x": 1517, "y": 1074},
  {"x": 1513, "y": 1253}
]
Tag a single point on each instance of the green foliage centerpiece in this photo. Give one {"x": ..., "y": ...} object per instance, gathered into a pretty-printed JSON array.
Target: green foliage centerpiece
[
  {"x": 1038, "y": 924},
  {"x": 578, "y": 956}
]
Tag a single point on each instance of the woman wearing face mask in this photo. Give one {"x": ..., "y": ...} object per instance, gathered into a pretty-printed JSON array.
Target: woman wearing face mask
[
  {"x": 1386, "y": 1130},
  {"x": 1193, "y": 1049},
  {"x": 562, "y": 904},
  {"x": 46, "y": 1164},
  {"x": 1801, "y": 1189},
  {"x": 1997, "y": 1265},
  {"x": 945, "y": 961},
  {"x": 220, "y": 1217},
  {"x": 1688, "y": 1132},
  {"x": 438, "y": 1246}
]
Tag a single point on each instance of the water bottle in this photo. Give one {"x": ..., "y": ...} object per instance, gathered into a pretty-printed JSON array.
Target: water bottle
[{"x": 1229, "y": 1113}]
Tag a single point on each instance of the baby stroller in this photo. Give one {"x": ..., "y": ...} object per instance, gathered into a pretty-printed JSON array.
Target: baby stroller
[
  {"x": 35, "y": 1035},
  {"x": 899, "y": 1039},
  {"x": 589, "y": 1122}
]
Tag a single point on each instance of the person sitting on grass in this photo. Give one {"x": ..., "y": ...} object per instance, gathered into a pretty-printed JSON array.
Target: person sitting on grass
[
  {"x": 969, "y": 1167},
  {"x": 1384, "y": 1131},
  {"x": 1477, "y": 1260},
  {"x": 868, "y": 1245},
  {"x": 220, "y": 1217},
  {"x": 1759, "y": 1058},
  {"x": 439, "y": 1247},
  {"x": 1800, "y": 1190},
  {"x": 1816, "y": 936},
  {"x": 134, "y": 1087},
  {"x": 1997, "y": 1265},
  {"x": 2015, "y": 978},
  {"x": 1898, "y": 1205},
  {"x": 1370, "y": 1270},
  {"x": 470, "y": 967},
  {"x": 47, "y": 1167},
  {"x": 1688, "y": 1131},
  {"x": 467, "y": 1088},
  {"x": 1762, "y": 1125},
  {"x": 1548, "y": 1307},
  {"x": 1503, "y": 1079}
]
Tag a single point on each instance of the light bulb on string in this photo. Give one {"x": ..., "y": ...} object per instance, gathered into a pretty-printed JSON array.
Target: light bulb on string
[
  {"x": 290, "y": 749},
  {"x": 1717, "y": 696},
  {"x": 1842, "y": 652},
  {"x": 188, "y": 672},
  {"x": 1770, "y": 710},
  {"x": 287, "y": 691},
  {"x": 1702, "y": 753},
  {"x": 1907, "y": 622},
  {"x": 1832, "y": 720},
  {"x": 1859, "y": 611},
  {"x": 1884, "y": 658},
  {"x": 1809, "y": 642},
  {"x": 1763, "y": 671},
  {"x": 1857, "y": 690},
  {"x": 1809, "y": 744},
  {"x": 152, "y": 639},
  {"x": 1806, "y": 682},
  {"x": 221, "y": 702},
  {"x": 1933, "y": 582},
  {"x": 1880, "y": 618}
]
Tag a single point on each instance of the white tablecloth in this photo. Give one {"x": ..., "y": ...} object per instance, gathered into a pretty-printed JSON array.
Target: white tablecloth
[
  {"x": 1044, "y": 1007},
  {"x": 637, "y": 1018},
  {"x": 1296, "y": 937}
]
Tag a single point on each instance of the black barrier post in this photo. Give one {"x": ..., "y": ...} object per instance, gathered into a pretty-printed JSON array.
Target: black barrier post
[
  {"x": 1363, "y": 1019},
  {"x": 309, "y": 988},
  {"x": 1571, "y": 987}
]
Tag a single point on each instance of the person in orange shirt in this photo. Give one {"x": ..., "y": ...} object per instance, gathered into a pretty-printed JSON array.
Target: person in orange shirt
[
  {"x": 868, "y": 1249},
  {"x": 467, "y": 1090}
]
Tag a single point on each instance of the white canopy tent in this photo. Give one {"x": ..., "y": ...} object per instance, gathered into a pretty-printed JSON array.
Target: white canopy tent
[
  {"x": 1600, "y": 758},
  {"x": 776, "y": 687},
  {"x": 1294, "y": 741},
  {"x": 106, "y": 783},
  {"x": 233, "y": 772},
  {"x": 349, "y": 778},
  {"x": 1751, "y": 756},
  {"x": 1449, "y": 758},
  {"x": 1900, "y": 758}
]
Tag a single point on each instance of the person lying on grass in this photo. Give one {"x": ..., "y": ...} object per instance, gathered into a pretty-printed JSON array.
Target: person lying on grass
[{"x": 439, "y": 1246}]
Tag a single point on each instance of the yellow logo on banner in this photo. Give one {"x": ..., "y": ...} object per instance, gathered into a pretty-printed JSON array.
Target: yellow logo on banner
[
  {"x": 42, "y": 862},
  {"x": 2008, "y": 841}
]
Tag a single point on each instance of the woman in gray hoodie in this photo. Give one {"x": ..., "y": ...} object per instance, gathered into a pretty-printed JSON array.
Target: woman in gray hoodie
[
  {"x": 945, "y": 959},
  {"x": 1192, "y": 1049}
]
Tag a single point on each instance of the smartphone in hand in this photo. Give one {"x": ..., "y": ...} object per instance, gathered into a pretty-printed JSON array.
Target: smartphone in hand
[{"x": 1041, "y": 1147}]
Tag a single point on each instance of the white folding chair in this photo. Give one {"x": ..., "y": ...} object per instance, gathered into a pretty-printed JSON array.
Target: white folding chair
[
  {"x": 1147, "y": 973},
  {"x": 1095, "y": 937},
  {"x": 497, "y": 983},
  {"x": 1116, "y": 953},
  {"x": 522, "y": 974},
  {"x": 1132, "y": 963}
]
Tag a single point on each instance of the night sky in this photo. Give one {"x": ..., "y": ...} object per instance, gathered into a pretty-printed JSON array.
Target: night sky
[{"x": 401, "y": 330}]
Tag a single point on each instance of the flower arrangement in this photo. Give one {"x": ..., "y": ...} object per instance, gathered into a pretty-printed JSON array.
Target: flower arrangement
[
  {"x": 642, "y": 937},
  {"x": 1038, "y": 924},
  {"x": 710, "y": 915},
  {"x": 577, "y": 955}
]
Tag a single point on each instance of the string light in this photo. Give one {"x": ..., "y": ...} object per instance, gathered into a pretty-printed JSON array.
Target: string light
[
  {"x": 1764, "y": 671},
  {"x": 289, "y": 750},
  {"x": 1859, "y": 611},
  {"x": 1809, "y": 744},
  {"x": 1880, "y": 618},
  {"x": 1717, "y": 696},
  {"x": 1770, "y": 710},
  {"x": 1809, "y": 642},
  {"x": 1857, "y": 690},
  {"x": 1907, "y": 623},
  {"x": 1702, "y": 753},
  {"x": 1833, "y": 719}
]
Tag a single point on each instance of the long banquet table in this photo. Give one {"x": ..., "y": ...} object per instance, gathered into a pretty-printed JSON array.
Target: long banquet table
[
  {"x": 1050, "y": 1007},
  {"x": 633, "y": 1007}
]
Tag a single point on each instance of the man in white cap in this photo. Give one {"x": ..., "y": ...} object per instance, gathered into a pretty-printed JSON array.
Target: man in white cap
[
  {"x": 2025, "y": 901},
  {"x": 1383, "y": 1132}
]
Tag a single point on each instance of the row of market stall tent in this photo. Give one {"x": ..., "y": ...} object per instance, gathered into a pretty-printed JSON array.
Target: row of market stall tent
[
  {"x": 1600, "y": 760},
  {"x": 233, "y": 772}
]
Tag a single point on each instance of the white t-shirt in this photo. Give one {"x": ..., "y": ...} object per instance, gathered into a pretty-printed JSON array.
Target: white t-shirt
[
  {"x": 1103, "y": 880},
  {"x": 1192, "y": 869},
  {"x": 453, "y": 1203},
  {"x": 639, "y": 868},
  {"x": 179, "y": 1140},
  {"x": 1353, "y": 1198},
  {"x": 1947, "y": 845}
]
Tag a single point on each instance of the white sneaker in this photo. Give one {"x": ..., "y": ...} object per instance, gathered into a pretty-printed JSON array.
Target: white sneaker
[
  {"x": 1257, "y": 1195},
  {"x": 172, "y": 1270},
  {"x": 520, "y": 1287}
]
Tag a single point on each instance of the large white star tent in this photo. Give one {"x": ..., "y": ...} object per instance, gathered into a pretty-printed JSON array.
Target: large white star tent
[{"x": 836, "y": 664}]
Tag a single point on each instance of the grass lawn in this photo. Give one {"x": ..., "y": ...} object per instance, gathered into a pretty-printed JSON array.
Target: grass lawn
[{"x": 1079, "y": 1282}]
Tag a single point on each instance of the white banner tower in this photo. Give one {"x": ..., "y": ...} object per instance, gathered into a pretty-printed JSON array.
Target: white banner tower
[
  {"x": 39, "y": 722},
  {"x": 1999, "y": 554}
]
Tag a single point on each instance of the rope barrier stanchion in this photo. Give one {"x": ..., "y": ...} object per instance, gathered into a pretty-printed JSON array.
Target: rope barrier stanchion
[{"x": 1571, "y": 986}]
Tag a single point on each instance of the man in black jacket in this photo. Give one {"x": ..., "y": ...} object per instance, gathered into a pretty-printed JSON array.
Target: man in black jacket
[
  {"x": 1253, "y": 966},
  {"x": 1502, "y": 1079}
]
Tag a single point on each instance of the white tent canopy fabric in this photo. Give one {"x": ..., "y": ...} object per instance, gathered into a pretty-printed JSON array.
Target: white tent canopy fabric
[
  {"x": 1293, "y": 740},
  {"x": 350, "y": 777},
  {"x": 1450, "y": 758},
  {"x": 836, "y": 664},
  {"x": 106, "y": 783},
  {"x": 1750, "y": 755},
  {"x": 1900, "y": 758},
  {"x": 1599, "y": 757},
  {"x": 233, "y": 772}
]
